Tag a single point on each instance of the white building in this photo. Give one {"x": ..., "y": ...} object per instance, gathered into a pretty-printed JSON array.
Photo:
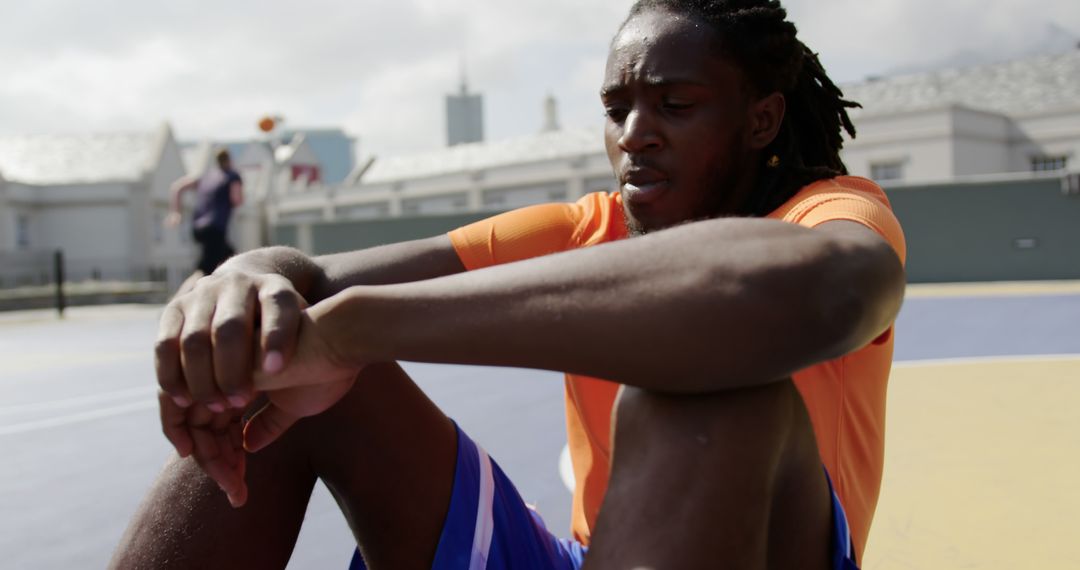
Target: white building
[
  {"x": 1014, "y": 117},
  {"x": 1018, "y": 116},
  {"x": 333, "y": 149},
  {"x": 546, "y": 167},
  {"x": 336, "y": 150},
  {"x": 99, "y": 198}
]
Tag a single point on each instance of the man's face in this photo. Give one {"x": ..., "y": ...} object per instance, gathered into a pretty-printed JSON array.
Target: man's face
[{"x": 676, "y": 121}]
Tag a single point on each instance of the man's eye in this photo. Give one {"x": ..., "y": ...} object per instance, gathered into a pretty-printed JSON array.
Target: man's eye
[
  {"x": 676, "y": 104},
  {"x": 616, "y": 114}
]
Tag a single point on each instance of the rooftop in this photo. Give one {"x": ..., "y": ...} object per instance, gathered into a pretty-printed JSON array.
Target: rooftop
[
  {"x": 479, "y": 156},
  {"x": 1015, "y": 88},
  {"x": 79, "y": 159}
]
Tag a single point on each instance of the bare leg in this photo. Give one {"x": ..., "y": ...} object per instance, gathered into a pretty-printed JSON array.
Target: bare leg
[
  {"x": 385, "y": 451},
  {"x": 186, "y": 522},
  {"x": 731, "y": 480},
  {"x": 388, "y": 455}
]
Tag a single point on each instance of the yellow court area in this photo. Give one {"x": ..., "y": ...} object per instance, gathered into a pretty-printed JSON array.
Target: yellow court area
[{"x": 982, "y": 467}]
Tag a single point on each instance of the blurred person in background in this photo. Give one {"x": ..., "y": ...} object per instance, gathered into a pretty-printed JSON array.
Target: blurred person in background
[{"x": 217, "y": 193}]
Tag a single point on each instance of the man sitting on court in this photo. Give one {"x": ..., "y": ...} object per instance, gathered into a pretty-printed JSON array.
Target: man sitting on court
[{"x": 724, "y": 320}]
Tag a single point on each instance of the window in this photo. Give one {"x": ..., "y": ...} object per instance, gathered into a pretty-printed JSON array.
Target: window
[
  {"x": 435, "y": 205},
  {"x": 22, "y": 231},
  {"x": 520, "y": 196},
  {"x": 1047, "y": 163},
  {"x": 1070, "y": 185},
  {"x": 300, "y": 216},
  {"x": 887, "y": 170},
  {"x": 363, "y": 211}
]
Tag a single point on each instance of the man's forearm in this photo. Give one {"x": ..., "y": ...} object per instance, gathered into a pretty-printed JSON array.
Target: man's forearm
[
  {"x": 701, "y": 307},
  {"x": 403, "y": 262},
  {"x": 321, "y": 277}
]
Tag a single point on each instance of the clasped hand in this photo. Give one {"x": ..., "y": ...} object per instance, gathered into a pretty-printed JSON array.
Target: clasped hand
[{"x": 239, "y": 359}]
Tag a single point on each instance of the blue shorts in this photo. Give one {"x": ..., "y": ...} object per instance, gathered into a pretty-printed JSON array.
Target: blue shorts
[{"x": 489, "y": 526}]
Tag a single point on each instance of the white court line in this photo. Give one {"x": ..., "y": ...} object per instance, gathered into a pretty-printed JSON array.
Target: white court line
[
  {"x": 566, "y": 468},
  {"x": 77, "y": 401},
  {"x": 986, "y": 360},
  {"x": 77, "y": 418}
]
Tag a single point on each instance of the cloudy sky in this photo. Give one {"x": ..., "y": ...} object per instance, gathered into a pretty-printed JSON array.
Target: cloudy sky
[{"x": 379, "y": 69}]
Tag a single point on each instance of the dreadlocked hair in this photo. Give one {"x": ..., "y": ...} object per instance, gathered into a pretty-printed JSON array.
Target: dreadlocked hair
[{"x": 763, "y": 44}]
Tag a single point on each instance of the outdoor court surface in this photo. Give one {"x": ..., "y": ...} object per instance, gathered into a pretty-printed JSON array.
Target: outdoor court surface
[{"x": 983, "y": 434}]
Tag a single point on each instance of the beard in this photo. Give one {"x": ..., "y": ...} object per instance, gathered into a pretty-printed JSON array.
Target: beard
[
  {"x": 717, "y": 200},
  {"x": 633, "y": 226},
  {"x": 725, "y": 189}
]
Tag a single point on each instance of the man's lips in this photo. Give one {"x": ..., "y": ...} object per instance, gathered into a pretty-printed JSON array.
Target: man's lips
[{"x": 644, "y": 185}]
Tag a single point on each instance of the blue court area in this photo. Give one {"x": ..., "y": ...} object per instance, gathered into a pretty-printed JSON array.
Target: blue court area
[
  {"x": 80, "y": 441},
  {"x": 994, "y": 324}
]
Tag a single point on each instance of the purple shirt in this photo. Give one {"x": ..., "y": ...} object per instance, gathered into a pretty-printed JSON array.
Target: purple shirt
[{"x": 213, "y": 200}]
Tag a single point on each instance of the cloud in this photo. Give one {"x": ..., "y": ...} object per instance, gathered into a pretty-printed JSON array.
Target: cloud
[
  {"x": 398, "y": 108},
  {"x": 381, "y": 69},
  {"x": 857, "y": 38}
]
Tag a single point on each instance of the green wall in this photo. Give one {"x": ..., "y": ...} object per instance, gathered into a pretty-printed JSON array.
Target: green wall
[
  {"x": 955, "y": 232},
  {"x": 284, "y": 234},
  {"x": 969, "y": 232},
  {"x": 334, "y": 237}
]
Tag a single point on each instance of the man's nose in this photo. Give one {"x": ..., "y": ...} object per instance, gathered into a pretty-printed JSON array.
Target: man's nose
[{"x": 640, "y": 132}]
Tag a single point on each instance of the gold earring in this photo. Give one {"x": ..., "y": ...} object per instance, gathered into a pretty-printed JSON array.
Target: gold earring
[{"x": 773, "y": 162}]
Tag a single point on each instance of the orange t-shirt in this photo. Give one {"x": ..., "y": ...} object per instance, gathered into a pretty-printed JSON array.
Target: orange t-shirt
[{"x": 845, "y": 397}]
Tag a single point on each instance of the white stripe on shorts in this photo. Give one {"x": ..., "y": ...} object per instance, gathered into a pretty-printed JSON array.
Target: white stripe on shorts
[{"x": 485, "y": 522}]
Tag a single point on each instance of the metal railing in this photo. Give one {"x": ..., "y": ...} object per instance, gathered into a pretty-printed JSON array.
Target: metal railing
[{"x": 39, "y": 279}]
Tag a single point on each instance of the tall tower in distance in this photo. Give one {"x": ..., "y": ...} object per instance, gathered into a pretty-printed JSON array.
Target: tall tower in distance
[
  {"x": 551, "y": 114},
  {"x": 464, "y": 116}
]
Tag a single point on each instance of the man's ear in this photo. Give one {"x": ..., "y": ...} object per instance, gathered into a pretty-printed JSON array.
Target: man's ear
[{"x": 766, "y": 116}]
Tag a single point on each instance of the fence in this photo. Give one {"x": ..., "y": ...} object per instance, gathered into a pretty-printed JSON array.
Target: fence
[
  {"x": 996, "y": 229},
  {"x": 41, "y": 279},
  {"x": 25, "y": 269}
]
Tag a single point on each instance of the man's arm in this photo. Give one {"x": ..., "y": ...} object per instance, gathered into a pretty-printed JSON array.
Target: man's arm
[
  {"x": 706, "y": 306},
  {"x": 213, "y": 325},
  {"x": 211, "y": 329},
  {"x": 179, "y": 186},
  {"x": 206, "y": 347},
  {"x": 317, "y": 278},
  {"x": 176, "y": 190},
  {"x": 236, "y": 193}
]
